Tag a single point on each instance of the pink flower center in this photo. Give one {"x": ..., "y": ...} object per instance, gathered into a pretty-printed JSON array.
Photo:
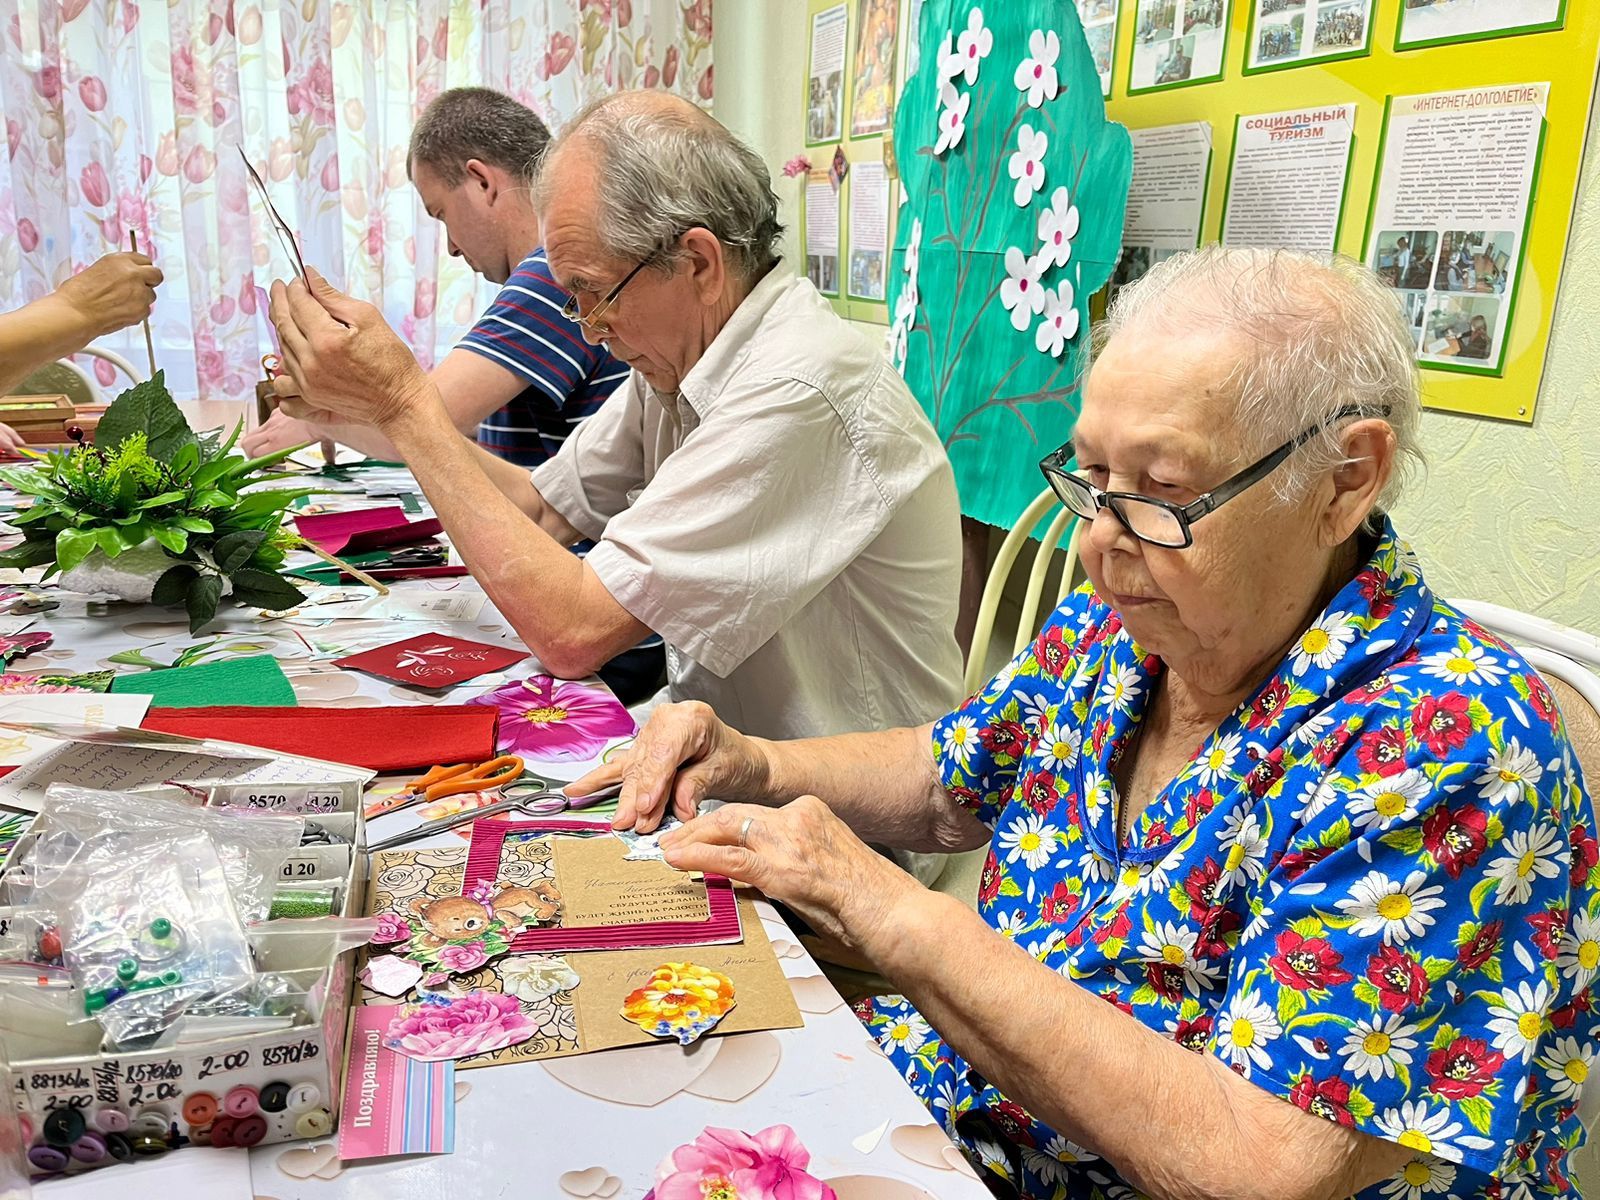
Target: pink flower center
[
  {"x": 551, "y": 714},
  {"x": 1022, "y": 285},
  {"x": 1058, "y": 237},
  {"x": 1028, "y": 170},
  {"x": 972, "y": 50},
  {"x": 1038, "y": 71}
]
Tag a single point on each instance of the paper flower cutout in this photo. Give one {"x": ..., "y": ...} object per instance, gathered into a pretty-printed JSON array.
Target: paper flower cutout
[
  {"x": 463, "y": 957},
  {"x": 680, "y": 1000},
  {"x": 441, "y": 1028},
  {"x": 30, "y": 685},
  {"x": 24, "y": 644},
  {"x": 1036, "y": 74},
  {"x": 391, "y": 928},
  {"x": 1026, "y": 165},
  {"x": 1060, "y": 324},
  {"x": 391, "y": 975},
  {"x": 1021, "y": 294},
  {"x": 913, "y": 255},
  {"x": 796, "y": 166},
  {"x": 973, "y": 46},
  {"x": 545, "y": 718},
  {"x": 534, "y": 977},
  {"x": 1058, "y": 225},
  {"x": 952, "y": 119},
  {"x": 770, "y": 1165},
  {"x": 950, "y": 63}
]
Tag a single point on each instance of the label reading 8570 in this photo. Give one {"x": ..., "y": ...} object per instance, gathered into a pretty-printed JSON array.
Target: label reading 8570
[{"x": 294, "y": 799}]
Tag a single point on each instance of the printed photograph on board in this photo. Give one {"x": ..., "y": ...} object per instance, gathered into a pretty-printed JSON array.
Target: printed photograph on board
[
  {"x": 1461, "y": 328},
  {"x": 1475, "y": 260},
  {"x": 872, "y": 103},
  {"x": 1430, "y": 22},
  {"x": 1288, "y": 33},
  {"x": 1177, "y": 42},
  {"x": 1404, "y": 258}
]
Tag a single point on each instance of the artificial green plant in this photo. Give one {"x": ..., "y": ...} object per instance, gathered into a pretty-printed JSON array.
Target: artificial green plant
[{"x": 149, "y": 477}]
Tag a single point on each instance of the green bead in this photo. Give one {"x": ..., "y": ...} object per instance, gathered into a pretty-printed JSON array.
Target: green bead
[
  {"x": 160, "y": 929},
  {"x": 127, "y": 970}
]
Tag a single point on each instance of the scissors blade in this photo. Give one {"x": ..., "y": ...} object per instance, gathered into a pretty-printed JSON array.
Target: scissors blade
[{"x": 279, "y": 225}]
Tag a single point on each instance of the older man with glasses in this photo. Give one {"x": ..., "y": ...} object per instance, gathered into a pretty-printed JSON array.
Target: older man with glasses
[{"x": 763, "y": 490}]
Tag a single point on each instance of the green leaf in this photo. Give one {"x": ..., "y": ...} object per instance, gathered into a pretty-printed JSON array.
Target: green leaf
[
  {"x": 1478, "y": 1111},
  {"x": 262, "y": 589},
  {"x": 1009, "y": 887},
  {"x": 201, "y": 601},
  {"x": 1337, "y": 834},
  {"x": 163, "y": 498},
  {"x": 176, "y": 540},
  {"x": 1291, "y": 1003},
  {"x": 173, "y": 586},
  {"x": 193, "y": 524},
  {"x": 113, "y": 539},
  {"x": 1360, "y": 1107},
  {"x": 30, "y": 553},
  {"x": 73, "y": 546},
  {"x": 1407, "y": 840},
  {"x": 184, "y": 461},
  {"x": 233, "y": 550},
  {"x": 146, "y": 408},
  {"x": 266, "y": 460},
  {"x": 1368, "y": 994}
]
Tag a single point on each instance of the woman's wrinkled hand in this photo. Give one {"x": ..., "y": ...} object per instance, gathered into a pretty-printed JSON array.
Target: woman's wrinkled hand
[{"x": 801, "y": 854}]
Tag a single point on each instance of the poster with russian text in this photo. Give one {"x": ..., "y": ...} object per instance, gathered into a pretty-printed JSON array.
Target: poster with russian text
[
  {"x": 1166, "y": 198},
  {"x": 1456, "y": 177},
  {"x": 1286, "y": 185}
]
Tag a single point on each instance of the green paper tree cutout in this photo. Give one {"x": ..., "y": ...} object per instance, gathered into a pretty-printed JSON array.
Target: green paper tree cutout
[{"x": 1017, "y": 188}]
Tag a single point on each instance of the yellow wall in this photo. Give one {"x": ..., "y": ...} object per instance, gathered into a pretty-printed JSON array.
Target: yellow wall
[{"x": 1505, "y": 513}]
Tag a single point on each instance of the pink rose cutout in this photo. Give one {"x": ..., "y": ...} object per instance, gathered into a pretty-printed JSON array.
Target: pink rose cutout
[
  {"x": 462, "y": 959},
  {"x": 390, "y": 929},
  {"x": 476, "y": 1023},
  {"x": 769, "y": 1165}
]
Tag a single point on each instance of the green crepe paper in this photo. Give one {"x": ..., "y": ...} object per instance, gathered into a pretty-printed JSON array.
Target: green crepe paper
[
  {"x": 999, "y": 403},
  {"x": 256, "y": 680}
]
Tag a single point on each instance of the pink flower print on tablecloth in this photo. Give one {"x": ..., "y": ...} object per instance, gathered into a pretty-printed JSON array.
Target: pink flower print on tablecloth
[{"x": 544, "y": 718}]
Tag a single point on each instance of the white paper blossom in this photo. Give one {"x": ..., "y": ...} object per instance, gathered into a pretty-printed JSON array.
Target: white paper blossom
[
  {"x": 973, "y": 46},
  {"x": 1060, "y": 323},
  {"x": 1036, "y": 74},
  {"x": 1058, "y": 225},
  {"x": 1026, "y": 164},
  {"x": 1021, "y": 293},
  {"x": 533, "y": 977},
  {"x": 952, "y": 120},
  {"x": 950, "y": 63}
]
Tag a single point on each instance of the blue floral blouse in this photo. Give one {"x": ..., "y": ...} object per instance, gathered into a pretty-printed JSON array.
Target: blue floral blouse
[{"x": 1373, "y": 892}]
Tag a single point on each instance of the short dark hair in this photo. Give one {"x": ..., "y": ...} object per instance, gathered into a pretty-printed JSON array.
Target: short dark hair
[{"x": 477, "y": 122}]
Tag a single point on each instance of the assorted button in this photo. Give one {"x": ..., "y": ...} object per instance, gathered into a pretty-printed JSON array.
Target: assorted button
[
  {"x": 199, "y": 1108},
  {"x": 239, "y": 1102},
  {"x": 118, "y": 1148},
  {"x": 90, "y": 1148},
  {"x": 150, "y": 1124},
  {"x": 48, "y": 1158},
  {"x": 249, "y": 1130},
  {"x": 316, "y": 1123},
  {"x": 304, "y": 1096},
  {"x": 274, "y": 1097},
  {"x": 148, "y": 1145},
  {"x": 222, "y": 1131},
  {"x": 64, "y": 1126},
  {"x": 111, "y": 1120}
]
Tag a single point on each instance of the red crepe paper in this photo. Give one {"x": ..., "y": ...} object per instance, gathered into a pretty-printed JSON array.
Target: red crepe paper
[
  {"x": 433, "y": 660},
  {"x": 365, "y": 529},
  {"x": 380, "y": 738}
]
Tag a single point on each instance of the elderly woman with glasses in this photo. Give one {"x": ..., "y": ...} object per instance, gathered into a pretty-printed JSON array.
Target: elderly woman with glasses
[{"x": 1290, "y": 884}]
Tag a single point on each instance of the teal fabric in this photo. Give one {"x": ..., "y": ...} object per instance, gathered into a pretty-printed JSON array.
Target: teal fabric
[{"x": 998, "y": 401}]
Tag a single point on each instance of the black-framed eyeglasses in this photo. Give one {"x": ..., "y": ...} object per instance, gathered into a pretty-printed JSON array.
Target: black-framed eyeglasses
[
  {"x": 595, "y": 318},
  {"x": 1160, "y": 522}
]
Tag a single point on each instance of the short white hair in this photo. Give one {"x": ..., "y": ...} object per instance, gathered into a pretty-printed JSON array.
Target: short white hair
[{"x": 1325, "y": 334}]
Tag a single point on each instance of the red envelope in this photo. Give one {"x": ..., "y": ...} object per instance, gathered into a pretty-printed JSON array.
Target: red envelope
[{"x": 433, "y": 660}]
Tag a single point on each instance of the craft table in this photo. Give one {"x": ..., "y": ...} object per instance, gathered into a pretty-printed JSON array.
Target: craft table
[{"x": 590, "y": 1125}]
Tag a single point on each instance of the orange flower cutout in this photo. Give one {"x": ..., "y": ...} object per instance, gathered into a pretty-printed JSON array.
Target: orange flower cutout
[{"x": 680, "y": 1000}]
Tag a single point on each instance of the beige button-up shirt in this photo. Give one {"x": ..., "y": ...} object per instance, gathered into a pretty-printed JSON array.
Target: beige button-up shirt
[{"x": 787, "y": 522}]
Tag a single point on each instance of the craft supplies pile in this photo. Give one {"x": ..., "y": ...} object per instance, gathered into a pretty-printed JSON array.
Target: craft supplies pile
[{"x": 249, "y": 802}]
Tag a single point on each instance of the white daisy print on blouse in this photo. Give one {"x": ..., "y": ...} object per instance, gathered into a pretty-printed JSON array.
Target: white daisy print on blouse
[
  {"x": 1420, "y": 1178},
  {"x": 1467, "y": 664},
  {"x": 1510, "y": 774},
  {"x": 1397, "y": 909},
  {"x": 1519, "y": 1019},
  {"x": 1566, "y": 1065},
  {"x": 1031, "y": 839},
  {"x": 1323, "y": 644},
  {"x": 1246, "y": 859},
  {"x": 960, "y": 740},
  {"x": 1526, "y": 855},
  {"x": 1059, "y": 746},
  {"x": 909, "y": 1032},
  {"x": 1380, "y": 805},
  {"x": 1026, "y": 164},
  {"x": 1580, "y": 951},
  {"x": 1216, "y": 764},
  {"x": 1120, "y": 688},
  {"x": 1414, "y": 1127},
  {"x": 1054, "y": 1161},
  {"x": 1318, "y": 794},
  {"x": 1036, "y": 75},
  {"x": 1173, "y": 945},
  {"x": 1372, "y": 1049},
  {"x": 1244, "y": 1029}
]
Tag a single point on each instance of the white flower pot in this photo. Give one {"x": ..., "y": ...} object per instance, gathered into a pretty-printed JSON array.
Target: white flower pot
[{"x": 130, "y": 576}]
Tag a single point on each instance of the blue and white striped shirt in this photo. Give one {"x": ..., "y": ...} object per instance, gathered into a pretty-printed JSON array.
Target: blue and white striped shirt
[{"x": 568, "y": 379}]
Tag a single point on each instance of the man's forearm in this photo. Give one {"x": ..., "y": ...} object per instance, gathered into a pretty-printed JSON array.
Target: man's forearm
[
  {"x": 532, "y": 578},
  {"x": 39, "y": 333},
  {"x": 883, "y": 785},
  {"x": 1105, "y": 1081}
]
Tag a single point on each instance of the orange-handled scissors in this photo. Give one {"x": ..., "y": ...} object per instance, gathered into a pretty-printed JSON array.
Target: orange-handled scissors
[{"x": 441, "y": 782}]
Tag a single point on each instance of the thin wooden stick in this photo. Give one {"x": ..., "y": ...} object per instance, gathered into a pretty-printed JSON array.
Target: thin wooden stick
[
  {"x": 149, "y": 342},
  {"x": 360, "y": 575}
]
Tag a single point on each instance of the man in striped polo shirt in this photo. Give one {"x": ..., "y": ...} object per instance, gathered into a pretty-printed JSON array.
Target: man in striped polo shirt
[{"x": 523, "y": 377}]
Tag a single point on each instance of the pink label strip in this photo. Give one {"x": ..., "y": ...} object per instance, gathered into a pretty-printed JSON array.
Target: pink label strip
[{"x": 483, "y": 865}]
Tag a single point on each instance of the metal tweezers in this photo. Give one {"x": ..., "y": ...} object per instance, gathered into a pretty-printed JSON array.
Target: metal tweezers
[{"x": 534, "y": 805}]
